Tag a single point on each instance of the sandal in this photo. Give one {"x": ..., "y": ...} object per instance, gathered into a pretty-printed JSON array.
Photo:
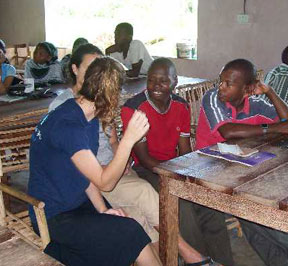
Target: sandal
[{"x": 207, "y": 261}]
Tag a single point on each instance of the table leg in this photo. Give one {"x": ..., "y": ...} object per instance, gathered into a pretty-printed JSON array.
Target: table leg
[{"x": 169, "y": 228}]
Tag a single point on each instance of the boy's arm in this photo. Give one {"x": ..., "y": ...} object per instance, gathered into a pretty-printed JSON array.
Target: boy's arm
[
  {"x": 234, "y": 130},
  {"x": 135, "y": 71},
  {"x": 112, "y": 49},
  {"x": 147, "y": 161}
]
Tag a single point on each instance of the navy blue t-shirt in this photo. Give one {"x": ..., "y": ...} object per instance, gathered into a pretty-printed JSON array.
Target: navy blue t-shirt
[{"x": 54, "y": 179}]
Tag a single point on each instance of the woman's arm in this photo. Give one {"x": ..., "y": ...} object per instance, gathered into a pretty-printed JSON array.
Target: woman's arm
[
  {"x": 106, "y": 179},
  {"x": 96, "y": 198},
  {"x": 5, "y": 84}
]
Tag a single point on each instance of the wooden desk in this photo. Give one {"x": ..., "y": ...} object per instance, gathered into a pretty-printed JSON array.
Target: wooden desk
[
  {"x": 14, "y": 251},
  {"x": 258, "y": 194},
  {"x": 130, "y": 88}
]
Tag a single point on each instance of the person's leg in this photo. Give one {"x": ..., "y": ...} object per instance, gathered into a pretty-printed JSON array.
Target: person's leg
[
  {"x": 202, "y": 228},
  {"x": 214, "y": 234},
  {"x": 148, "y": 257},
  {"x": 89, "y": 238},
  {"x": 133, "y": 193},
  {"x": 271, "y": 245}
]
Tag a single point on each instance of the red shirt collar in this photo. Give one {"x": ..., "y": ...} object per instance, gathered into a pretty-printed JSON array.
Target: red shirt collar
[{"x": 246, "y": 108}]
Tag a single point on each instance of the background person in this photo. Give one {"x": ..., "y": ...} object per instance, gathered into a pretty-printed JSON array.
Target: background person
[
  {"x": 7, "y": 73},
  {"x": 277, "y": 78},
  {"x": 44, "y": 67},
  {"x": 132, "y": 53}
]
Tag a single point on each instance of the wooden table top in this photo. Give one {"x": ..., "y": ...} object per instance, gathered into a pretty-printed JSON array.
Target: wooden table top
[
  {"x": 266, "y": 183},
  {"x": 130, "y": 88},
  {"x": 15, "y": 251}
]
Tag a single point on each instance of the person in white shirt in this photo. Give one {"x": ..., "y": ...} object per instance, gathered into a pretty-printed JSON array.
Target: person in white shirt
[{"x": 132, "y": 53}]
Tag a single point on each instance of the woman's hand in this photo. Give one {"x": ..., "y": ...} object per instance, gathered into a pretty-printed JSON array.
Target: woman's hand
[
  {"x": 137, "y": 127},
  {"x": 117, "y": 212}
]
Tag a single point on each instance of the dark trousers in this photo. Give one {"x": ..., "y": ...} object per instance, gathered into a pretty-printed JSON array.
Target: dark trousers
[
  {"x": 203, "y": 228},
  {"x": 270, "y": 244}
]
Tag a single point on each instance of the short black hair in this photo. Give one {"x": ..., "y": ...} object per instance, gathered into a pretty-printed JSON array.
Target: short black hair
[
  {"x": 245, "y": 67},
  {"x": 78, "y": 42},
  {"x": 164, "y": 61},
  {"x": 77, "y": 56},
  {"x": 127, "y": 27},
  {"x": 285, "y": 56}
]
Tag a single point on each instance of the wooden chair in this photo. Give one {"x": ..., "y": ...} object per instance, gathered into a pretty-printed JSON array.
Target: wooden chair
[
  {"x": 21, "y": 54},
  {"x": 193, "y": 94},
  {"x": 15, "y": 135},
  {"x": 260, "y": 75}
]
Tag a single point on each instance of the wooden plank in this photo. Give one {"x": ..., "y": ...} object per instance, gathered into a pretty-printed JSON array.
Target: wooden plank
[
  {"x": 168, "y": 225},
  {"x": 235, "y": 204},
  {"x": 268, "y": 189},
  {"x": 16, "y": 252},
  {"x": 222, "y": 175}
]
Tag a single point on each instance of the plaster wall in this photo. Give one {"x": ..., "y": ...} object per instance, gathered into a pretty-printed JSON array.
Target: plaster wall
[{"x": 22, "y": 21}]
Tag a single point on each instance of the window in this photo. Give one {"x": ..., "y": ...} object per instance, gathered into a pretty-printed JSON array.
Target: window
[{"x": 160, "y": 24}]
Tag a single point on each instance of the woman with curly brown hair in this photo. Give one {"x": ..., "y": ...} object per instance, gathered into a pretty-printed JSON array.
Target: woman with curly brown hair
[{"x": 65, "y": 174}]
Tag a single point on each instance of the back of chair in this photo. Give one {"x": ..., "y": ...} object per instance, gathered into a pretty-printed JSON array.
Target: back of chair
[
  {"x": 193, "y": 94},
  {"x": 260, "y": 75},
  {"x": 15, "y": 135},
  {"x": 21, "y": 54}
]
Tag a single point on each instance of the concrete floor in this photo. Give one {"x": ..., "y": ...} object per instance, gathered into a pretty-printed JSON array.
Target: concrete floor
[{"x": 243, "y": 254}]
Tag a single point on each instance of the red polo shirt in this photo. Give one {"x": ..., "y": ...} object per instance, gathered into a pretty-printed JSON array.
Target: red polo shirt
[{"x": 165, "y": 128}]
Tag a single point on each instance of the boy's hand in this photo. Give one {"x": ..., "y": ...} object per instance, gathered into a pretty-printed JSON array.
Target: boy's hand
[{"x": 260, "y": 88}]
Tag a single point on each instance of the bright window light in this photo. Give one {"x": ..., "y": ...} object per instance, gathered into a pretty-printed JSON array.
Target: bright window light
[{"x": 160, "y": 24}]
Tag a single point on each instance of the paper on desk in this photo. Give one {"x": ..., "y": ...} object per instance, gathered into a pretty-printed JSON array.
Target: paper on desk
[
  {"x": 226, "y": 148},
  {"x": 10, "y": 99},
  {"x": 234, "y": 149}
]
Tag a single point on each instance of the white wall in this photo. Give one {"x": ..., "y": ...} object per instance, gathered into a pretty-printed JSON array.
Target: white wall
[
  {"x": 220, "y": 38},
  {"x": 22, "y": 21}
]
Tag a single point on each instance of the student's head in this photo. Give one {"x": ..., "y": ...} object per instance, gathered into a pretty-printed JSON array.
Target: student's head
[
  {"x": 162, "y": 79},
  {"x": 102, "y": 85},
  {"x": 78, "y": 42},
  {"x": 2, "y": 46},
  {"x": 236, "y": 79},
  {"x": 285, "y": 56},
  {"x": 44, "y": 53},
  {"x": 123, "y": 33},
  {"x": 80, "y": 60}
]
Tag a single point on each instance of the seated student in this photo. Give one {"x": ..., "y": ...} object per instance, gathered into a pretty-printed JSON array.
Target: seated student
[
  {"x": 7, "y": 73},
  {"x": 136, "y": 195},
  {"x": 44, "y": 67},
  {"x": 277, "y": 78},
  {"x": 66, "y": 59},
  {"x": 3, "y": 48},
  {"x": 66, "y": 175},
  {"x": 231, "y": 111},
  {"x": 169, "y": 119},
  {"x": 132, "y": 53},
  {"x": 228, "y": 112}
]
